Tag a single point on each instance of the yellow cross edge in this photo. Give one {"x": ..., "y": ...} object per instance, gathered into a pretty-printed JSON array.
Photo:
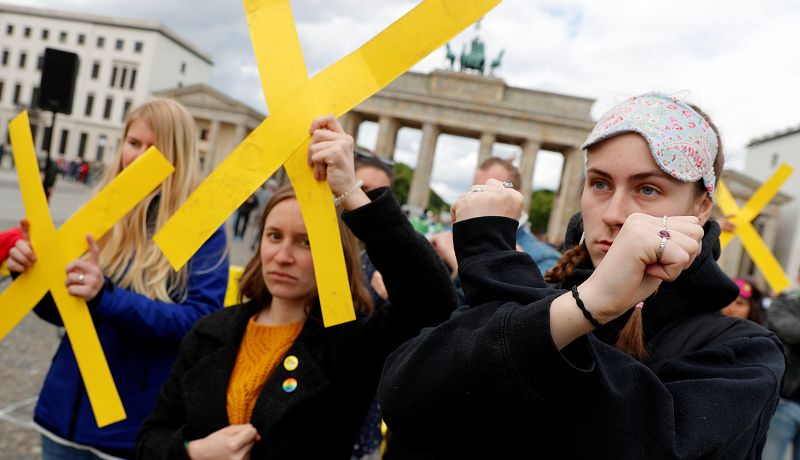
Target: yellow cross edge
[
  {"x": 283, "y": 71},
  {"x": 335, "y": 90},
  {"x": 764, "y": 259},
  {"x": 232, "y": 292},
  {"x": 55, "y": 249}
]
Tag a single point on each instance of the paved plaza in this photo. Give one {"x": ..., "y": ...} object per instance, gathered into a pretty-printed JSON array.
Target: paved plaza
[{"x": 26, "y": 352}]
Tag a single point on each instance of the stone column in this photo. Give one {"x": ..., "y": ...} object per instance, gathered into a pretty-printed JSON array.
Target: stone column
[
  {"x": 214, "y": 154},
  {"x": 485, "y": 150},
  {"x": 239, "y": 133},
  {"x": 387, "y": 136},
  {"x": 567, "y": 201},
  {"x": 530, "y": 148},
  {"x": 420, "y": 184},
  {"x": 350, "y": 123}
]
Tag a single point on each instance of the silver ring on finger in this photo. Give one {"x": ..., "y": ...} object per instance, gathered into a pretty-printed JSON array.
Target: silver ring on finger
[
  {"x": 661, "y": 246},
  {"x": 664, "y": 233},
  {"x": 476, "y": 189},
  {"x": 81, "y": 277},
  {"x": 507, "y": 184}
]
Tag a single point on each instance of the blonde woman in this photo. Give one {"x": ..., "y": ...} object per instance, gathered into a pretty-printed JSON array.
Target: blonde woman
[{"x": 140, "y": 306}]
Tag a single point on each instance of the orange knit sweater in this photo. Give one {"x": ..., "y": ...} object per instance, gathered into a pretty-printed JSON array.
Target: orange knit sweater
[{"x": 261, "y": 350}]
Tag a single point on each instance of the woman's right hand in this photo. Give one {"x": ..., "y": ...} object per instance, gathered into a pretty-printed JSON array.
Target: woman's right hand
[
  {"x": 629, "y": 273},
  {"x": 233, "y": 442},
  {"x": 21, "y": 257},
  {"x": 490, "y": 199},
  {"x": 631, "y": 270}
]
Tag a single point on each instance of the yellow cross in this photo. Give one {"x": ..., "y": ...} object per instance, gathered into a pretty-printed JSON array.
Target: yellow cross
[
  {"x": 742, "y": 218},
  {"x": 284, "y": 134},
  {"x": 232, "y": 292},
  {"x": 55, "y": 248}
]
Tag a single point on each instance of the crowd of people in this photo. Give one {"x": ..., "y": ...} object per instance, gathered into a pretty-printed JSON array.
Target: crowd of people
[{"x": 473, "y": 340}]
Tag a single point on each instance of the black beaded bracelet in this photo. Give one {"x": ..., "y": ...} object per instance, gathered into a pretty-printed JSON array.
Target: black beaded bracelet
[{"x": 586, "y": 313}]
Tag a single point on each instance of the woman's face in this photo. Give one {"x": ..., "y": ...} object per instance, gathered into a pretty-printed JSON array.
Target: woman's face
[
  {"x": 138, "y": 138},
  {"x": 622, "y": 178},
  {"x": 740, "y": 308},
  {"x": 286, "y": 255}
]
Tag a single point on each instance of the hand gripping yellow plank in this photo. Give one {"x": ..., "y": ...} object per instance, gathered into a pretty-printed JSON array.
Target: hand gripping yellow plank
[
  {"x": 751, "y": 240},
  {"x": 335, "y": 90},
  {"x": 283, "y": 71},
  {"x": 56, "y": 248}
]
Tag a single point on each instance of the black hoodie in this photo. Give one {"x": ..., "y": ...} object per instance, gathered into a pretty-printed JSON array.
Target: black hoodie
[{"x": 490, "y": 381}]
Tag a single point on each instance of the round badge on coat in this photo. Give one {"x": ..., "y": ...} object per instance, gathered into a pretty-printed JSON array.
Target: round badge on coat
[
  {"x": 289, "y": 385},
  {"x": 290, "y": 363}
]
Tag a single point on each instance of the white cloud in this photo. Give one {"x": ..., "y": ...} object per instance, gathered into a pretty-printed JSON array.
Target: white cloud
[{"x": 738, "y": 60}]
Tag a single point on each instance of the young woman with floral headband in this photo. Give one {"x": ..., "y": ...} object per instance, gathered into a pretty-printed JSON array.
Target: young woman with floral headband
[{"x": 630, "y": 358}]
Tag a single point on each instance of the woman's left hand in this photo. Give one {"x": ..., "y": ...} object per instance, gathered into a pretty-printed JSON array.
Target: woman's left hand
[
  {"x": 84, "y": 277},
  {"x": 490, "y": 199},
  {"x": 330, "y": 152}
]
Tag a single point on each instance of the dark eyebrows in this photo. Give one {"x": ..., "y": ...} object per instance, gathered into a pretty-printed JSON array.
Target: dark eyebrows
[
  {"x": 270, "y": 228},
  {"x": 636, "y": 177}
]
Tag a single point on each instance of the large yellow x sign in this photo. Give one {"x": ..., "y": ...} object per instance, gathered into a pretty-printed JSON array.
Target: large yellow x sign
[
  {"x": 55, "y": 248},
  {"x": 284, "y": 134},
  {"x": 742, "y": 218}
]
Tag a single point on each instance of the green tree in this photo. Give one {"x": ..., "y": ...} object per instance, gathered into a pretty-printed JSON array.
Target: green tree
[
  {"x": 402, "y": 183},
  {"x": 539, "y": 210}
]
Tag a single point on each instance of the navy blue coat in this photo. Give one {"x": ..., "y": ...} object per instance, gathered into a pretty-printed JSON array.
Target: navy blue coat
[{"x": 140, "y": 338}]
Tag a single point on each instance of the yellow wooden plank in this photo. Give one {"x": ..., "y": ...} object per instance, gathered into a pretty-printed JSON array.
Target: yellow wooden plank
[
  {"x": 232, "y": 293},
  {"x": 727, "y": 204},
  {"x": 103, "y": 396},
  {"x": 283, "y": 72},
  {"x": 96, "y": 217},
  {"x": 763, "y": 258},
  {"x": 335, "y": 90}
]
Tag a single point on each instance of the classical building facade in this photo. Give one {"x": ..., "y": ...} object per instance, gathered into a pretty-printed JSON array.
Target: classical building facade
[
  {"x": 121, "y": 63},
  {"x": 484, "y": 108},
  {"x": 222, "y": 122},
  {"x": 764, "y": 155}
]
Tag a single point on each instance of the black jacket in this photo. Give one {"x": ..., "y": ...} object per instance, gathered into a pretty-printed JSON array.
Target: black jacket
[
  {"x": 490, "y": 381},
  {"x": 339, "y": 367},
  {"x": 783, "y": 318}
]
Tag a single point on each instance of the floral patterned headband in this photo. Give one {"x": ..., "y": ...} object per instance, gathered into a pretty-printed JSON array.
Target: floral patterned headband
[{"x": 682, "y": 142}]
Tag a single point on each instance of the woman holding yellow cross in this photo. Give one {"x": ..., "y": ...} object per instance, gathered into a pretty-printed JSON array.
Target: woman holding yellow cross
[
  {"x": 630, "y": 357},
  {"x": 140, "y": 306},
  {"x": 266, "y": 379}
]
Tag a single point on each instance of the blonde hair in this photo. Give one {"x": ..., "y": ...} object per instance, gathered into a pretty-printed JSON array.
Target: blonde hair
[{"x": 128, "y": 254}]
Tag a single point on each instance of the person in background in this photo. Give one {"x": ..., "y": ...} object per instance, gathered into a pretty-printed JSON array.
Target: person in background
[
  {"x": 9, "y": 238},
  {"x": 374, "y": 172},
  {"x": 502, "y": 170},
  {"x": 243, "y": 215},
  {"x": 140, "y": 306},
  {"x": 748, "y": 304},
  {"x": 262, "y": 194},
  {"x": 783, "y": 318}
]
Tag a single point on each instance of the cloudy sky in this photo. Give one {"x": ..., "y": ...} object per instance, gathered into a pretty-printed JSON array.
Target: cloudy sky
[{"x": 740, "y": 61}]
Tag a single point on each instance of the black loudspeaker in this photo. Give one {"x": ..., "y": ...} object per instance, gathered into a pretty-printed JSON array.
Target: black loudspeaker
[{"x": 57, "y": 87}]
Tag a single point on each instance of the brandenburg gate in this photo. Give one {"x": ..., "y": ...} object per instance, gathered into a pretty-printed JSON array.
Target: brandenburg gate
[{"x": 484, "y": 108}]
